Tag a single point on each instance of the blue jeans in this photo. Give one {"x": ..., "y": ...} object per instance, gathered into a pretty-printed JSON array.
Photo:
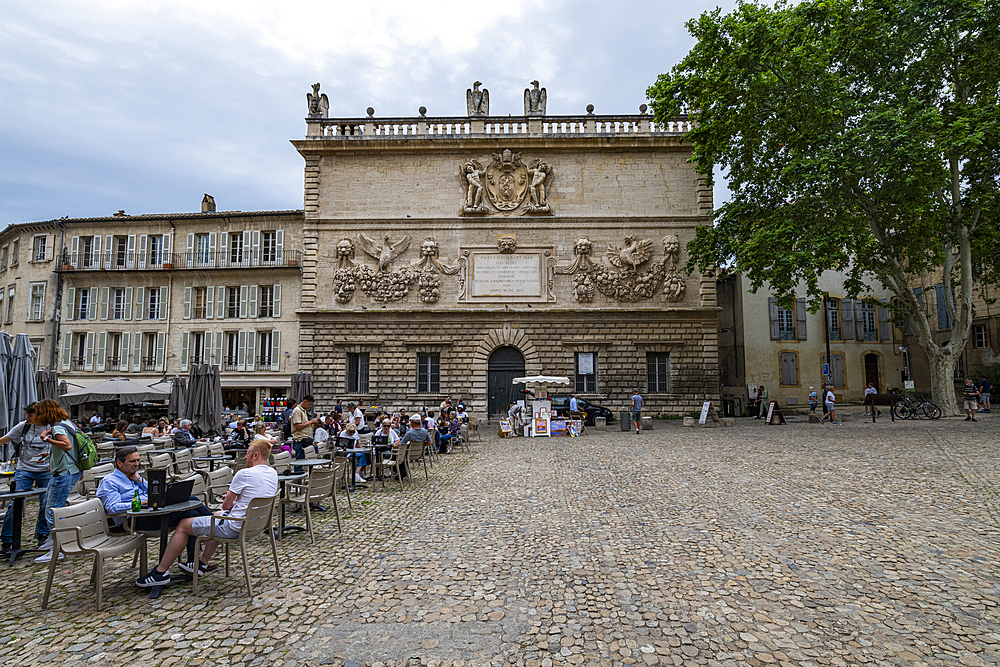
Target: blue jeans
[
  {"x": 23, "y": 481},
  {"x": 59, "y": 490}
]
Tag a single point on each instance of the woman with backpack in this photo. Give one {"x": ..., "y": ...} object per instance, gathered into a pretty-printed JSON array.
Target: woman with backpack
[{"x": 60, "y": 434}]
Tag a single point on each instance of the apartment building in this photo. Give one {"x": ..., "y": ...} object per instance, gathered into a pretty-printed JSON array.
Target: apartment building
[{"x": 28, "y": 284}]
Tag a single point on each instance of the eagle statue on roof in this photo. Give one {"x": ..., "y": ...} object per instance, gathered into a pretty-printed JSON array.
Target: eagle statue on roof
[{"x": 477, "y": 101}]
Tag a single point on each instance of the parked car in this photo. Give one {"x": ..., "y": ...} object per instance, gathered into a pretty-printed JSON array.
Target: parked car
[{"x": 560, "y": 406}]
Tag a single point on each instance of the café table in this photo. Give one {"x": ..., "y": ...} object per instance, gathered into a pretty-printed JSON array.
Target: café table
[
  {"x": 164, "y": 514},
  {"x": 282, "y": 478},
  {"x": 212, "y": 459},
  {"x": 18, "y": 498},
  {"x": 370, "y": 450}
]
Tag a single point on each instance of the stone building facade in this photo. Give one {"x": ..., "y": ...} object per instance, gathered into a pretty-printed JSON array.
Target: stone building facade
[
  {"x": 28, "y": 284},
  {"x": 445, "y": 256}
]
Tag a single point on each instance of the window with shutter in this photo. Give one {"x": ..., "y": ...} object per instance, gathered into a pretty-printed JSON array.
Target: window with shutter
[{"x": 789, "y": 369}]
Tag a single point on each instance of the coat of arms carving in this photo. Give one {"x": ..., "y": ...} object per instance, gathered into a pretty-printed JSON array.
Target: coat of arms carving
[{"x": 509, "y": 185}]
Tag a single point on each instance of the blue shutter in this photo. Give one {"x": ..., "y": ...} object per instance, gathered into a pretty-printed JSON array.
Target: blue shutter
[{"x": 942, "y": 311}]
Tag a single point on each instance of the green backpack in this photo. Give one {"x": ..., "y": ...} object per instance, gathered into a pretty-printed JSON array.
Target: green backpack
[{"x": 86, "y": 451}]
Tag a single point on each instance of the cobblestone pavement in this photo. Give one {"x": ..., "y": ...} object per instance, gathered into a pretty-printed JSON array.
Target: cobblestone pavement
[{"x": 754, "y": 545}]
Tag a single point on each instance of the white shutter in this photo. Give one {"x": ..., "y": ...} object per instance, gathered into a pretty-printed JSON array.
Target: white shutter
[
  {"x": 67, "y": 349},
  {"x": 130, "y": 252},
  {"x": 161, "y": 345},
  {"x": 128, "y": 303},
  {"x": 189, "y": 257},
  {"x": 74, "y": 251},
  {"x": 252, "y": 250},
  {"x": 88, "y": 360},
  {"x": 92, "y": 304},
  {"x": 276, "y": 299},
  {"x": 137, "y": 353},
  {"x": 241, "y": 352},
  {"x": 209, "y": 302},
  {"x": 102, "y": 344},
  {"x": 184, "y": 350},
  {"x": 164, "y": 295},
  {"x": 71, "y": 304},
  {"x": 279, "y": 245},
  {"x": 223, "y": 249},
  {"x": 109, "y": 255},
  {"x": 219, "y": 338},
  {"x": 141, "y": 258},
  {"x": 251, "y": 349},
  {"x": 187, "y": 303},
  {"x": 105, "y": 295},
  {"x": 252, "y": 302},
  {"x": 211, "y": 250},
  {"x": 123, "y": 357},
  {"x": 220, "y": 302},
  {"x": 243, "y": 300},
  {"x": 95, "y": 256},
  {"x": 275, "y": 350},
  {"x": 245, "y": 253},
  {"x": 167, "y": 238},
  {"x": 140, "y": 298}
]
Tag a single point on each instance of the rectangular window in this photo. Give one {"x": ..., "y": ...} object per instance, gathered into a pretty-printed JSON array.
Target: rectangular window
[
  {"x": 156, "y": 250},
  {"x": 942, "y": 308},
  {"x": 10, "y": 303},
  {"x": 869, "y": 321},
  {"x": 114, "y": 351},
  {"x": 980, "y": 336},
  {"x": 233, "y": 302},
  {"x": 266, "y": 307},
  {"x": 118, "y": 310},
  {"x": 204, "y": 254},
  {"x": 37, "y": 303},
  {"x": 269, "y": 247},
  {"x": 153, "y": 304},
  {"x": 80, "y": 358},
  {"x": 357, "y": 372},
  {"x": 38, "y": 249},
  {"x": 789, "y": 369},
  {"x": 786, "y": 324},
  {"x": 837, "y": 370},
  {"x": 657, "y": 373},
  {"x": 428, "y": 373},
  {"x": 235, "y": 249},
  {"x": 833, "y": 318},
  {"x": 4, "y": 256},
  {"x": 82, "y": 304},
  {"x": 586, "y": 372},
  {"x": 15, "y": 251},
  {"x": 120, "y": 250},
  {"x": 232, "y": 351},
  {"x": 87, "y": 251},
  {"x": 264, "y": 342},
  {"x": 197, "y": 347},
  {"x": 200, "y": 302}
]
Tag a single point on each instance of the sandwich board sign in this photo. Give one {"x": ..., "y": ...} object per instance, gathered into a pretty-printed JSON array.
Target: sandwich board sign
[
  {"x": 774, "y": 413},
  {"x": 706, "y": 410}
]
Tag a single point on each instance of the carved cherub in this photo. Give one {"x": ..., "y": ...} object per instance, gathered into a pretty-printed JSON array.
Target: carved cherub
[
  {"x": 345, "y": 253},
  {"x": 538, "y": 172},
  {"x": 472, "y": 171},
  {"x": 477, "y": 101},
  {"x": 385, "y": 252},
  {"x": 631, "y": 255},
  {"x": 319, "y": 105},
  {"x": 534, "y": 100}
]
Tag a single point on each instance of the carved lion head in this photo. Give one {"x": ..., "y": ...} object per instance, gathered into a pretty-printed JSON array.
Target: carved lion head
[
  {"x": 583, "y": 247},
  {"x": 429, "y": 248},
  {"x": 507, "y": 244},
  {"x": 345, "y": 248}
]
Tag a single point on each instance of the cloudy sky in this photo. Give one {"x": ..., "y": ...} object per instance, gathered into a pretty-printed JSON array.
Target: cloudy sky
[{"x": 146, "y": 105}]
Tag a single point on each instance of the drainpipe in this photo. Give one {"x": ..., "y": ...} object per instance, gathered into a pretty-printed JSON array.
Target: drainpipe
[{"x": 58, "y": 298}]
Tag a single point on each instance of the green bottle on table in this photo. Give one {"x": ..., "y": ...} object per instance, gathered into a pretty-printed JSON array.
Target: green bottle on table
[{"x": 136, "y": 503}]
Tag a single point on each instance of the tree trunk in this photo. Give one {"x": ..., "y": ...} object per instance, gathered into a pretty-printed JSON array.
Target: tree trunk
[{"x": 942, "y": 368}]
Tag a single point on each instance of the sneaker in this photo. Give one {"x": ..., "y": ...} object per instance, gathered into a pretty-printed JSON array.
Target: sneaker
[
  {"x": 46, "y": 545},
  {"x": 47, "y": 556},
  {"x": 835, "y": 423},
  {"x": 359, "y": 479},
  {"x": 972, "y": 419},
  {"x": 189, "y": 568},
  {"x": 154, "y": 578},
  {"x": 968, "y": 418}
]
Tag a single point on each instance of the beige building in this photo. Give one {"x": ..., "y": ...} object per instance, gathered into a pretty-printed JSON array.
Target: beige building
[
  {"x": 146, "y": 296},
  {"x": 761, "y": 343},
  {"x": 28, "y": 284},
  {"x": 445, "y": 256}
]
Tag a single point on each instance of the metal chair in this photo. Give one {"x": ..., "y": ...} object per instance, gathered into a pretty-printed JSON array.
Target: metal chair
[
  {"x": 82, "y": 529},
  {"x": 317, "y": 487},
  {"x": 257, "y": 520},
  {"x": 280, "y": 461},
  {"x": 218, "y": 483}
]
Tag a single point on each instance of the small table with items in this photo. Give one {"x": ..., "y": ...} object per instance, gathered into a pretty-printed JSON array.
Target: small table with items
[
  {"x": 164, "y": 514},
  {"x": 18, "y": 498},
  {"x": 212, "y": 459}
]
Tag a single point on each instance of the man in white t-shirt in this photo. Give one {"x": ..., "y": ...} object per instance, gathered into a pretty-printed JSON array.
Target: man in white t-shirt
[
  {"x": 359, "y": 419},
  {"x": 257, "y": 480}
]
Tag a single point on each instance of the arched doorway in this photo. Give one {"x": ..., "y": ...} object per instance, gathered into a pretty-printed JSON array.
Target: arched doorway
[
  {"x": 505, "y": 364},
  {"x": 871, "y": 371}
]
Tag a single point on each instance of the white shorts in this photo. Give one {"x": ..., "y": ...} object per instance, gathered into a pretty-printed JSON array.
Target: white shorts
[
  {"x": 202, "y": 526},
  {"x": 829, "y": 406}
]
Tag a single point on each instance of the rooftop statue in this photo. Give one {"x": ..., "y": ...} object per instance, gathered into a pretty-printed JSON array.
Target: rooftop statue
[
  {"x": 534, "y": 100},
  {"x": 477, "y": 101},
  {"x": 319, "y": 105}
]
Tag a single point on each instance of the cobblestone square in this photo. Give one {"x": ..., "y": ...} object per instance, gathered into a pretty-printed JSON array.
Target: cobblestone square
[{"x": 753, "y": 545}]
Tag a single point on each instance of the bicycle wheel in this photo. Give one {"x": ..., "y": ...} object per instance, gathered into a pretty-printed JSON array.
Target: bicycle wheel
[
  {"x": 901, "y": 411},
  {"x": 933, "y": 411}
]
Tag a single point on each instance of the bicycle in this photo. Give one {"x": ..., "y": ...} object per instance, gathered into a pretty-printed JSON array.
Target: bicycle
[{"x": 920, "y": 408}]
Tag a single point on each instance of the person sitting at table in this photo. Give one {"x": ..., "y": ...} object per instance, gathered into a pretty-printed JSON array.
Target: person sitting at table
[
  {"x": 462, "y": 415},
  {"x": 119, "y": 432},
  {"x": 117, "y": 490},
  {"x": 430, "y": 425},
  {"x": 260, "y": 433},
  {"x": 416, "y": 433},
  {"x": 135, "y": 428},
  {"x": 257, "y": 480},
  {"x": 452, "y": 428},
  {"x": 184, "y": 437},
  {"x": 348, "y": 439},
  {"x": 386, "y": 429},
  {"x": 32, "y": 454},
  {"x": 241, "y": 433}
]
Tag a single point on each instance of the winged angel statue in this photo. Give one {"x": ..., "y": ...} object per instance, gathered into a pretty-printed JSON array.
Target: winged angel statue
[
  {"x": 385, "y": 252},
  {"x": 477, "y": 101},
  {"x": 631, "y": 255}
]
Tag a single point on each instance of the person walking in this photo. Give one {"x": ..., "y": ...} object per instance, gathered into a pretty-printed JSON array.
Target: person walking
[
  {"x": 830, "y": 404},
  {"x": 984, "y": 393},
  {"x": 637, "y": 410},
  {"x": 813, "y": 400},
  {"x": 970, "y": 393},
  {"x": 58, "y": 432},
  {"x": 762, "y": 395}
]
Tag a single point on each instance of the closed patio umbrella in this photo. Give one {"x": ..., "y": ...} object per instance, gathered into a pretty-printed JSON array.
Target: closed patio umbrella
[
  {"x": 178, "y": 394},
  {"x": 302, "y": 384},
  {"x": 47, "y": 384},
  {"x": 21, "y": 378},
  {"x": 6, "y": 351},
  {"x": 203, "y": 402}
]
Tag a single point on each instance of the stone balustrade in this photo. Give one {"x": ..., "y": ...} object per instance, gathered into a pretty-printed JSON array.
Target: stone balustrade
[{"x": 405, "y": 128}]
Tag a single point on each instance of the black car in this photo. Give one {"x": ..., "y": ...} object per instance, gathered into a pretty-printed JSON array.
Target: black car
[{"x": 560, "y": 406}]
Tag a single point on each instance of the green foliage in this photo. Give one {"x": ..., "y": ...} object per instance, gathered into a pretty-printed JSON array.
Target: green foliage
[{"x": 859, "y": 135}]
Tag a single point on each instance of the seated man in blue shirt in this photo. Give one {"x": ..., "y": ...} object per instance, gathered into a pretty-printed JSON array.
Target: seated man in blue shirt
[
  {"x": 117, "y": 490},
  {"x": 183, "y": 436}
]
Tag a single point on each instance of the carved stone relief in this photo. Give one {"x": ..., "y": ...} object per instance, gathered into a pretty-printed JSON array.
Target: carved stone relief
[
  {"x": 505, "y": 186},
  {"x": 477, "y": 101},
  {"x": 621, "y": 278},
  {"x": 319, "y": 104},
  {"x": 507, "y": 244},
  {"x": 674, "y": 285},
  {"x": 384, "y": 284}
]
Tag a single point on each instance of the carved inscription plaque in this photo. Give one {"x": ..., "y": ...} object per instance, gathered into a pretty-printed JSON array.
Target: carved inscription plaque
[{"x": 518, "y": 274}]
